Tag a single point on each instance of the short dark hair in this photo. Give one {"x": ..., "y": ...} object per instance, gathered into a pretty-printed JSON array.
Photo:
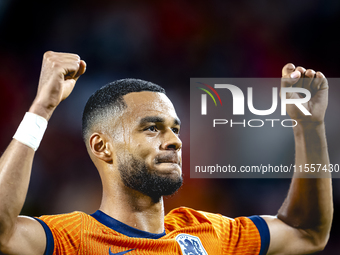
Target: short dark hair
[{"x": 110, "y": 97}]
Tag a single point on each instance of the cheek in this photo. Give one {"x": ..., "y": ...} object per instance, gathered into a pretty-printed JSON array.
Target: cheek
[
  {"x": 121, "y": 134},
  {"x": 146, "y": 148}
]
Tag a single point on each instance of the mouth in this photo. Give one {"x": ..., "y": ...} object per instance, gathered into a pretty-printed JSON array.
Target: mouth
[{"x": 167, "y": 158}]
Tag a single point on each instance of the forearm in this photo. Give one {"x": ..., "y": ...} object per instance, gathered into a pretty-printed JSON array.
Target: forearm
[
  {"x": 308, "y": 205},
  {"x": 15, "y": 170}
]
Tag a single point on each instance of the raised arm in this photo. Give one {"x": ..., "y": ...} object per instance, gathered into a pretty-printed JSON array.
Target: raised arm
[
  {"x": 304, "y": 220},
  {"x": 24, "y": 235}
]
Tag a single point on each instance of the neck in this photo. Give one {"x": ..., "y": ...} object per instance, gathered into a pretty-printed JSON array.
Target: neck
[{"x": 134, "y": 209}]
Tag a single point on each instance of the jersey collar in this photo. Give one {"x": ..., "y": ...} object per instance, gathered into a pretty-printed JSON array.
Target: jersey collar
[{"x": 123, "y": 228}]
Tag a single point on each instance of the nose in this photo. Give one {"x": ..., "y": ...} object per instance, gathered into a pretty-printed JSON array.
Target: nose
[{"x": 171, "y": 141}]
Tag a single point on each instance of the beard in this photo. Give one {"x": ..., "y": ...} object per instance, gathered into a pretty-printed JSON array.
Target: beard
[{"x": 135, "y": 175}]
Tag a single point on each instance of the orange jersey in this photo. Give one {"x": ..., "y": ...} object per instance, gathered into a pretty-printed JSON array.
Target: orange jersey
[{"x": 187, "y": 232}]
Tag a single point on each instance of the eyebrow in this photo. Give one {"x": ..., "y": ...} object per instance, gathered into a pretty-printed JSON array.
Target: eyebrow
[{"x": 155, "y": 119}]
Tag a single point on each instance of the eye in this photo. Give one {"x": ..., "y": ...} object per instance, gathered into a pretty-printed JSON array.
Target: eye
[
  {"x": 151, "y": 128},
  {"x": 175, "y": 130}
]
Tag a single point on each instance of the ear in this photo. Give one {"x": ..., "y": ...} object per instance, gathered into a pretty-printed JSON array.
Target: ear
[{"x": 100, "y": 147}]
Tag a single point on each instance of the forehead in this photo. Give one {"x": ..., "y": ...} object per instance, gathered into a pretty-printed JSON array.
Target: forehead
[{"x": 146, "y": 103}]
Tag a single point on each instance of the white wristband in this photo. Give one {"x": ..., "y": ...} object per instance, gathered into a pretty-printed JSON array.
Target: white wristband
[{"x": 31, "y": 130}]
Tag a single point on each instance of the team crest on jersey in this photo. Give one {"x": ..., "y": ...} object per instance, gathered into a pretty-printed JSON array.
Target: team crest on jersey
[{"x": 190, "y": 245}]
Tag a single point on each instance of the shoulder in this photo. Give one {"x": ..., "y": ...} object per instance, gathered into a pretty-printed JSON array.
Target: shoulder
[
  {"x": 73, "y": 218},
  {"x": 249, "y": 233},
  {"x": 196, "y": 215},
  {"x": 64, "y": 223},
  {"x": 63, "y": 231},
  {"x": 187, "y": 216},
  {"x": 183, "y": 217}
]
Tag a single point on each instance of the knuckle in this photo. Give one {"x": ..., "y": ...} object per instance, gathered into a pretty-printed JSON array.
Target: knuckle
[
  {"x": 301, "y": 69},
  {"x": 55, "y": 64},
  {"x": 322, "y": 76},
  {"x": 290, "y": 66},
  {"x": 310, "y": 73},
  {"x": 72, "y": 56},
  {"x": 77, "y": 56},
  {"x": 48, "y": 54}
]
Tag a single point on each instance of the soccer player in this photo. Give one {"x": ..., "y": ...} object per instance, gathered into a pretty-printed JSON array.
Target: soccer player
[{"x": 131, "y": 131}]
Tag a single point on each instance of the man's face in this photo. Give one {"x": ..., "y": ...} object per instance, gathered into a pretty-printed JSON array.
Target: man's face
[{"x": 147, "y": 144}]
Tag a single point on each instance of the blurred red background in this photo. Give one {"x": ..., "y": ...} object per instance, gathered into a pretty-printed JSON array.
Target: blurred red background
[{"x": 166, "y": 42}]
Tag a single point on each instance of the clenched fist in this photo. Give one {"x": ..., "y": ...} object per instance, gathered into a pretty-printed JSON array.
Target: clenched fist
[
  {"x": 315, "y": 83},
  {"x": 59, "y": 73}
]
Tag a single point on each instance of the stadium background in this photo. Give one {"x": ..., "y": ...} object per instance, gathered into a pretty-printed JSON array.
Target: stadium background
[{"x": 166, "y": 42}]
